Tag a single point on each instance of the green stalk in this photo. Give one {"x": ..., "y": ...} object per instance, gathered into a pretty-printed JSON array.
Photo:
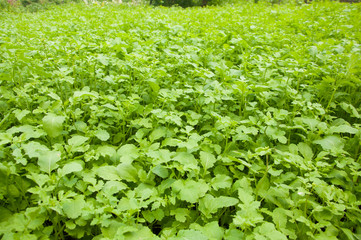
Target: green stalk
[
  {"x": 329, "y": 102},
  {"x": 4, "y": 119}
]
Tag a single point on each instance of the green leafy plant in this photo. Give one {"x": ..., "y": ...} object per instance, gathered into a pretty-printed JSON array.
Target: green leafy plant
[{"x": 138, "y": 122}]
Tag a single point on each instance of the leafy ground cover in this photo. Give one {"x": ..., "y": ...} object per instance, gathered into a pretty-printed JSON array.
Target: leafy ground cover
[{"x": 238, "y": 122}]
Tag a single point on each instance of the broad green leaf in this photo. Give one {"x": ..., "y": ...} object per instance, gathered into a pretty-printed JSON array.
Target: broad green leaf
[
  {"x": 331, "y": 143},
  {"x": 102, "y": 135},
  {"x": 211, "y": 230},
  {"x": 171, "y": 142},
  {"x": 187, "y": 160},
  {"x": 34, "y": 149},
  {"x": 181, "y": 214},
  {"x": 144, "y": 191},
  {"x": 209, "y": 204},
  {"x": 348, "y": 233},
  {"x": 234, "y": 234},
  {"x": 53, "y": 125},
  {"x": 39, "y": 179},
  {"x": 190, "y": 235},
  {"x": 263, "y": 186},
  {"x": 157, "y": 134},
  {"x": 221, "y": 181},
  {"x": 268, "y": 230},
  {"x": 343, "y": 129},
  {"x": 349, "y": 108},
  {"x": 28, "y": 132},
  {"x": 276, "y": 133},
  {"x": 245, "y": 195},
  {"x": 20, "y": 114},
  {"x": 5, "y": 214},
  {"x": 140, "y": 233},
  {"x": 37, "y": 217},
  {"x": 190, "y": 190},
  {"x": 72, "y": 167},
  {"x": 128, "y": 153},
  {"x": 305, "y": 150},
  {"x": 108, "y": 173},
  {"x": 103, "y": 59},
  {"x": 160, "y": 156},
  {"x": 112, "y": 187},
  {"x": 48, "y": 159},
  {"x": 106, "y": 151},
  {"x": 279, "y": 216},
  {"x": 127, "y": 172},
  {"x": 248, "y": 216},
  {"x": 325, "y": 236},
  {"x": 73, "y": 207},
  {"x": 5, "y": 138},
  {"x": 77, "y": 140},
  {"x": 84, "y": 93},
  {"x": 153, "y": 84},
  {"x": 207, "y": 160},
  {"x": 160, "y": 171}
]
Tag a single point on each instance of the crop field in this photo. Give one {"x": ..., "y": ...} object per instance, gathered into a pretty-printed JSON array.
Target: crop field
[{"x": 135, "y": 122}]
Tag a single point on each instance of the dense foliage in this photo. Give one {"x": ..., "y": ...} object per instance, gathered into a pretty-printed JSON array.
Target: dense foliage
[{"x": 138, "y": 123}]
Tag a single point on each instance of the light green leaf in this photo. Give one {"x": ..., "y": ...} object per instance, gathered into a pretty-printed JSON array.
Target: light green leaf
[
  {"x": 207, "y": 159},
  {"x": 343, "y": 129},
  {"x": 279, "y": 217},
  {"x": 187, "y": 160},
  {"x": 349, "y": 108},
  {"x": 85, "y": 93},
  {"x": 102, "y": 134},
  {"x": 160, "y": 171},
  {"x": 211, "y": 230},
  {"x": 263, "y": 186},
  {"x": 112, "y": 187},
  {"x": 221, "y": 181},
  {"x": 140, "y": 233},
  {"x": 348, "y": 233},
  {"x": 245, "y": 195},
  {"x": 190, "y": 190},
  {"x": 157, "y": 133},
  {"x": 171, "y": 142},
  {"x": 331, "y": 143},
  {"x": 103, "y": 59},
  {"x": 20, "y": 114},
  {"x": 276, "y": 133},
  {"x": 5, "y": 138},
  {"x": 108, "y": 173},
  {"x": 234, "y": 234},
  {"x": 28, "y": 132},
  {"x": 77, "y": 140},
  {"x": 305, "y": 150},
  {"x": 106, "y": 151},
  {"x": 72, "y": 167},
  {"x": 53, "y": 125},
  {"x": 145, "y": 191},
  {"x": 209, "y": 204},
  {"x": 181, "y": 214},
  {"x": 268, "y": 230},
  {"x": 47, "y": 160},
  {"x": 73, "y": 207},
  {"x": 190, "y": 235},
  {"x": 153, "y": 84},
  {"x": 127, "y": 172},
  {"x": 128, "y": 153},
  {"x": 34, "y": 149}
]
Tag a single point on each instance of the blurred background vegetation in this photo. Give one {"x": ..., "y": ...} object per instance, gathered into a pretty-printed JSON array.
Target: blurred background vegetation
[{"x": 36, "y": 5}]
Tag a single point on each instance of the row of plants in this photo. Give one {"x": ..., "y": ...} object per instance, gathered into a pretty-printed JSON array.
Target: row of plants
[{"x": 237, "y": 122}]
